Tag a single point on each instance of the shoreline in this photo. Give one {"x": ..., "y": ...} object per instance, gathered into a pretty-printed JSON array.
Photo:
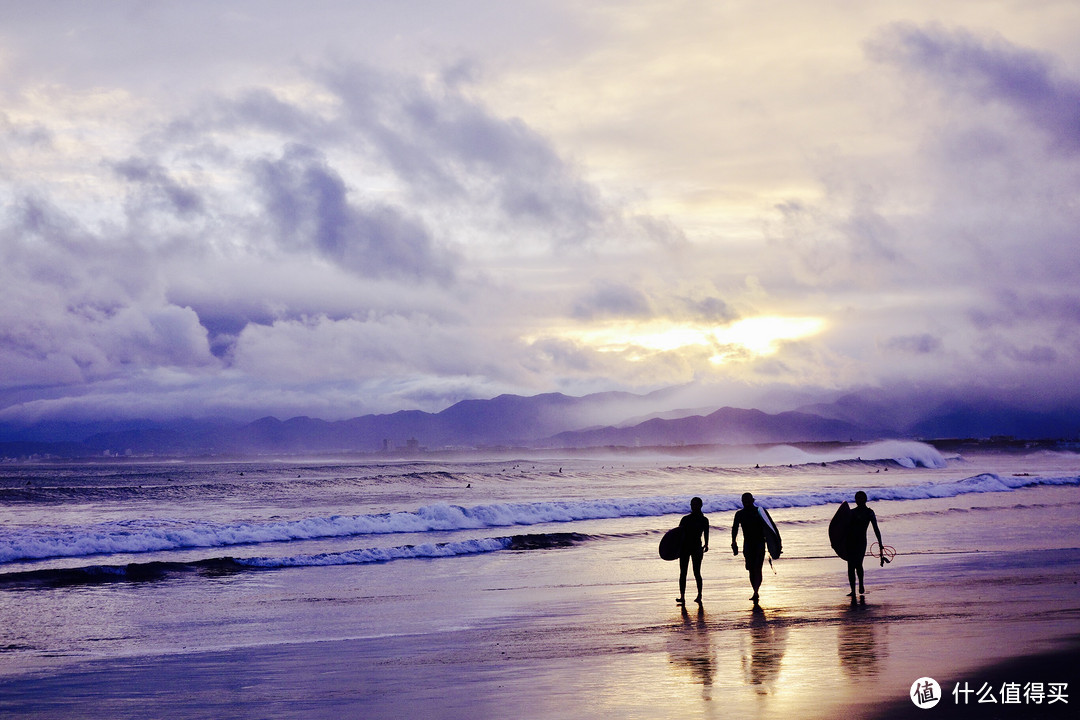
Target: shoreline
[{"x": 466, "y": 674}]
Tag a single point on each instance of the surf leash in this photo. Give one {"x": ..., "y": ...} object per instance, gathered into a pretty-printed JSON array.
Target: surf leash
[{"x": 884, "y": 552}]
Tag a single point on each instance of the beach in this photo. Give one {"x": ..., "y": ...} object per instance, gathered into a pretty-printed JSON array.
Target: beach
[{"x": 581, "y": 621}]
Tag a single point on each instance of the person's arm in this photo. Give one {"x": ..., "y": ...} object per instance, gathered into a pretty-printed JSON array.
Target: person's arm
[
  {"x": 705, "y": 537},
  {"x": 881, "y": 545},
  {"x": 735, "y": 535}
]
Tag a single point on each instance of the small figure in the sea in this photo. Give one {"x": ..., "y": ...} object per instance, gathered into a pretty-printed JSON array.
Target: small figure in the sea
[
  {"x": 695, "y": 543},
  {"x": 862, "y": 516},
  {"x": 753, "y": 528}
]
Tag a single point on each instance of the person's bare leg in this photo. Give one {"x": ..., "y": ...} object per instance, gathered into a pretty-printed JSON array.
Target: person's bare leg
[
  {"x": 684, "y": 562},
  {"x": 697, "y": 577}
]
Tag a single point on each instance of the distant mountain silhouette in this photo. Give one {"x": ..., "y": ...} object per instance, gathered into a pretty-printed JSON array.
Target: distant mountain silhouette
[{"x": 549, "y": 421}]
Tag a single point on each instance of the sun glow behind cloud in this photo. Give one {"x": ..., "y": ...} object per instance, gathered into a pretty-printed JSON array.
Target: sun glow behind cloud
[{"x": 749, "y": 337}]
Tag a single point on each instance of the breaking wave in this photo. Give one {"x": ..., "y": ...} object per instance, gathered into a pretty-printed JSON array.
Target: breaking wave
[
  {"x": 219, "y": 566},
  {"x": 140, "y": 536}
]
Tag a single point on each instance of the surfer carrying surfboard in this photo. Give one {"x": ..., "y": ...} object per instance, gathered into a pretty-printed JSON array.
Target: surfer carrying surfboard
[
  {"x": 757, "y": 528},
  {"x": 862, "y": 516},
  {"x": 695, "y": 543}
]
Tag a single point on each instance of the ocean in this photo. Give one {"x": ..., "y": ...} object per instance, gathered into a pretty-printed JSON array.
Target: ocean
[{"x": 145, "y": 558}]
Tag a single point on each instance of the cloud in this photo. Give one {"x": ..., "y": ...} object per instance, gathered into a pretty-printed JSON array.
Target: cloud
[
  {"x": 309, "y": 206},
  {"x": 989, "y": 71},
  {"x": 923, "y": 344},
  {"x": 952, "y": 257},
  {"x": 376, "y": 220},
  {"x": 180, "y": 199},
  {"x": 611, "y": 299},
  {"x": 444, "y": 145}
]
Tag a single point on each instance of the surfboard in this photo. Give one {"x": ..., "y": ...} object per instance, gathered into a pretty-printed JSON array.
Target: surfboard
[
  {"x": 772, "y": 535},
  {"x": 671, "y": 544},
  {"x": 838, "y": 528}
]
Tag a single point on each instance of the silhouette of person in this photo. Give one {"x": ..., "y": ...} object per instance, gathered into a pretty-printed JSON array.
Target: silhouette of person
[
  {"x": 695, "y": 543},
  {"x": 753, "y": 529},
  {"x": 855, "y": 542}
]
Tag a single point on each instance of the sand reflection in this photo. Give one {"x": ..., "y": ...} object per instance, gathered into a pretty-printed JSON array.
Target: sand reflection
[
  {"x": 859, "y": 642},
  {"x": 692, "y": 649},
  {"x": 764, "y": 652}
]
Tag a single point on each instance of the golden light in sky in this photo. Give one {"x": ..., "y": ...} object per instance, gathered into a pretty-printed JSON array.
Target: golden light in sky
[{"x": 756, "y": 336}]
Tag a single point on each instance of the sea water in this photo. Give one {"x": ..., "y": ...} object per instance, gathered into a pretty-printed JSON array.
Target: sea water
[{"x": 122, "y": 558}]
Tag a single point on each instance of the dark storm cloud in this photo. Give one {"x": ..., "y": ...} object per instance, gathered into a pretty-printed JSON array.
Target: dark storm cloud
[
  {"x": 923, "y": 344},
  {"x": 298, "y": 239},
  {"x": 990, "y": 71},
  {"x": 610, "y": 299},
  {"x": 251, "y": 109},
  {"x": 711, "y": 310},
  {"x": 183, "y": 200},
  {"x": 444, "y": 144},
  {"x": 1012, "y": 308},
  {"x": 80, "y": 308},
  {"x": 310, "y": 207},
  {"x": 442, "y": 148},
  {"x": 23, "y": 134}
]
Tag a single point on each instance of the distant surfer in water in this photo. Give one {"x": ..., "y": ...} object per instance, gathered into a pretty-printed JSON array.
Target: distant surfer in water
[
  {"x": 753, "y": 550},
  {"x": 695, "y": 543},
  {"x": 861, "y": 518}
]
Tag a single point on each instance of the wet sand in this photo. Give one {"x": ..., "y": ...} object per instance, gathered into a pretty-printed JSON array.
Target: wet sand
[{"x": 592, "y": 631}]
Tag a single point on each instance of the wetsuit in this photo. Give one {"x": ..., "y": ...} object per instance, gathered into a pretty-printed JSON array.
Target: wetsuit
[
  {"x": 855, "y": 542},
  {"x": 695, "y": 532},
  {"x": 753, "y": 528},
  {"x": 862, "y": 517},
  {"x": 695, "y": 526}
]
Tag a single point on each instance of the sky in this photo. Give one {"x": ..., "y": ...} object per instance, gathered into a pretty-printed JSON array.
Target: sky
[{"x": 248, "y": 208}]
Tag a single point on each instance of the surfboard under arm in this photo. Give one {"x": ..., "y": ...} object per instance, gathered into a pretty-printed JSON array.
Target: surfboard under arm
[{"x": 772, "y": 535}]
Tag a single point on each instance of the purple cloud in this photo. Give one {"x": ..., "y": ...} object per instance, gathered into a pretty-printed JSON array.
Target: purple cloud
[
  {"x": 990, "y": 71},
  {"x": 309, "y": 205}
]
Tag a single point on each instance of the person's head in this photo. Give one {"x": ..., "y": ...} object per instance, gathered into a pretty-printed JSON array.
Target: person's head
[
  {"x": 860, "y": 498},
  {"x": 695, "y": 504},
  {"x": 747, "y": 500}
]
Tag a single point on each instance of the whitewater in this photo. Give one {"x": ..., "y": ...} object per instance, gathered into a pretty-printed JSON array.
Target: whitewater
[{"x": 144, "y": 513}]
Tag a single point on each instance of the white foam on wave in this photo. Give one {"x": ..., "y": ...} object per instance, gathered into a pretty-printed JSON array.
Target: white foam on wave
[
  {"x": 907, "y": 453},
  {"x": 155, "y": 535},
  {"x": 378, "y": 555}
]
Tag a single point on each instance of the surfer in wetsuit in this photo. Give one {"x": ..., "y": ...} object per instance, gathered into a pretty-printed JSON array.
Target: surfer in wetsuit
[
  {"x": 695, "y": 543},
  {"x": 855, "y": 542},
  {"x": 753, "y": 528}
]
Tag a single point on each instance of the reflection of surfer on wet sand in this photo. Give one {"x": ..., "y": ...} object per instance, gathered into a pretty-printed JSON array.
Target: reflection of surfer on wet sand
[
  {"x": 694, "y": 651},
  {"x": 763, "y": 657},
  {"x": 847, "y": 534}
]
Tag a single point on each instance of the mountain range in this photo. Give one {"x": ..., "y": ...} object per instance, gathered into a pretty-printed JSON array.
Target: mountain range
[{"x": 548, "y": 421}]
